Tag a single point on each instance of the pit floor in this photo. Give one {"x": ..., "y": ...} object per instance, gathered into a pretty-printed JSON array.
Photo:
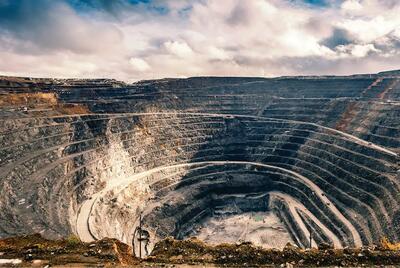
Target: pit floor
[{"x": 262, "y": 228}]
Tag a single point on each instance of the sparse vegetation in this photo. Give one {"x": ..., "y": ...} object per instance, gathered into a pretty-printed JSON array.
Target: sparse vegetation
[{"x": 73, "y": 241}]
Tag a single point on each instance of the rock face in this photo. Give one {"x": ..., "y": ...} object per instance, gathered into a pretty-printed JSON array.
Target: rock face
[{"x": 86, "y": 157}]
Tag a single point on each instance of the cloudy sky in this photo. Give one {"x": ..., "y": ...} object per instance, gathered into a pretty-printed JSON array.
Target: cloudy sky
[{"x": 132, "y": 39}]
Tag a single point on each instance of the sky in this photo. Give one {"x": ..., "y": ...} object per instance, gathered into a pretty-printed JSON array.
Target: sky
[{"x": 132, "y": 40}]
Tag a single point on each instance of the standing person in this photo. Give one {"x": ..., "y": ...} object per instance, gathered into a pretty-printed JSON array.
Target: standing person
[{"x": 142, "y": 236}]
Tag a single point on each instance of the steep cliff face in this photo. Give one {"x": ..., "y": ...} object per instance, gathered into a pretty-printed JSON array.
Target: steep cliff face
[{"x": 282, "y": 157}]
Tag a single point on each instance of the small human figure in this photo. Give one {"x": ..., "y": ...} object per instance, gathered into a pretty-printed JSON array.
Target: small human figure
[{"x": 142, "y": 236}]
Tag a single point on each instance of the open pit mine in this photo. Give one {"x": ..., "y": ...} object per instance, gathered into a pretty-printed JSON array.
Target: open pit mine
[{"x": 267, "y": 160}]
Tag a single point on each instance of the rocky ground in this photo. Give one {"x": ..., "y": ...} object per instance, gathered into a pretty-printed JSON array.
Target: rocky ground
[
  {"x": 34, "y": 250},
  {"x": 193, "y": 251}
]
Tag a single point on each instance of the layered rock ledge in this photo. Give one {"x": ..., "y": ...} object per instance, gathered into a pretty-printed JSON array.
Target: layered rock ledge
[{"x": 291, "y": 157}]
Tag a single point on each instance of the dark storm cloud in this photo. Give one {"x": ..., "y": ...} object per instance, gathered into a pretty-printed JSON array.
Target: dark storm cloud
[
  {"x": 17, "y": 15},
  {"x": 338, "y": 37},
  {"x": 46, "y": 25},
  {"x": 390, "y": 42},
  {"x": 239, "y": 15}
]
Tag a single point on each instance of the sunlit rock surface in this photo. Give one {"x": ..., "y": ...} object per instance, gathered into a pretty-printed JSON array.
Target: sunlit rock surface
[{"x": 281, "y": 157}]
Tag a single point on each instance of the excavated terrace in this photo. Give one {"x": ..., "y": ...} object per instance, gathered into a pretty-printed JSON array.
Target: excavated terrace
[{"x": 281, "y": 158}]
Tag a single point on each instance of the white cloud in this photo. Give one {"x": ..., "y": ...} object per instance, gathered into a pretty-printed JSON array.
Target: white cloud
[
  {"x": 367, "y": 30},
  {"x": 180, "y": 49},
  {"x": 357, "y": 51},
  {"x": 351, "y": 5},
  {"x": 139, "y": 64},
  {"x": 215, "y": 53},
  {"x": 213, "y": 37}
]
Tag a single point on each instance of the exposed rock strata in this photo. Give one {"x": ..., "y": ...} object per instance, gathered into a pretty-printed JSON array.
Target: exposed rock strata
[{"x": 319, "y": 153}]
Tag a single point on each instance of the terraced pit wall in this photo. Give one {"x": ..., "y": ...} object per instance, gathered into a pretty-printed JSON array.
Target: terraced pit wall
[{"x": 319, "y": 153}]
